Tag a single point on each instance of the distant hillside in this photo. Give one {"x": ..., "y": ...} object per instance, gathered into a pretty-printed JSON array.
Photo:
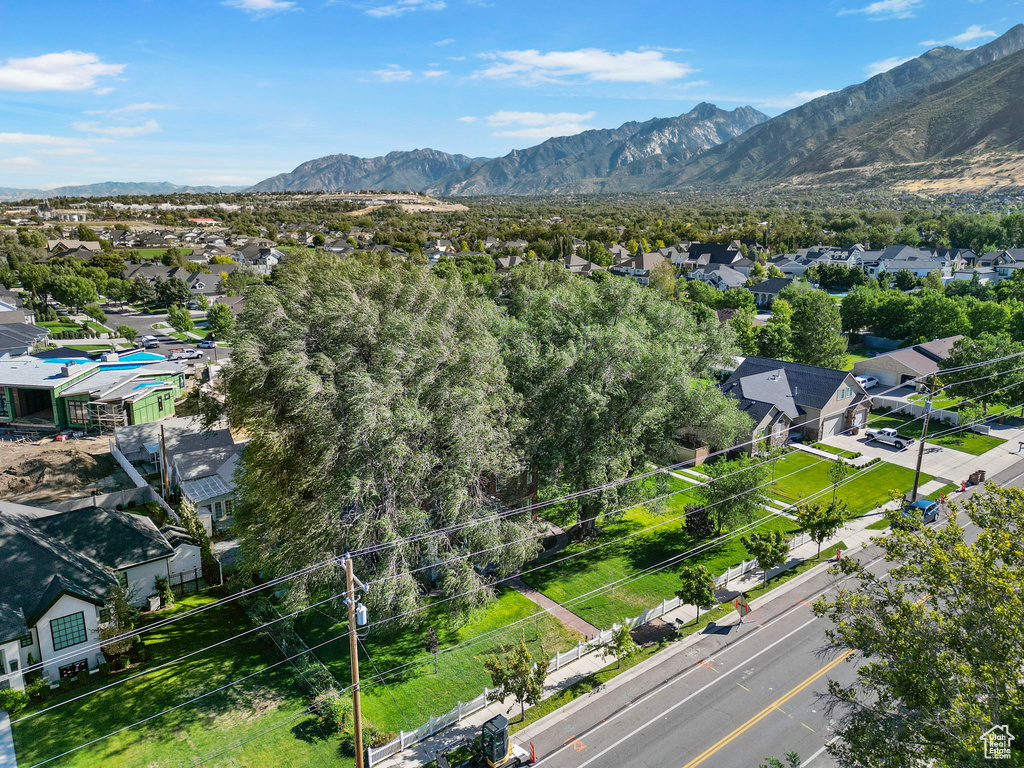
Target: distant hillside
[
  {"x": 943, "y": 127},
  {"x": 771, "y": 150},
  {"x": 416, "y": 171},
  {"x": 584, "y": 160},
  {"x": 108, "y": 189}
]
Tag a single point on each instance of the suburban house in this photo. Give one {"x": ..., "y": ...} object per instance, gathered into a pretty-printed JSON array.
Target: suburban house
[
  {"x": 766, "y": 291},
  {"x": 200, "y": 463},
  {"x": 259, "y": 257},
  {"x": 917, "y": 261},
  {"x": 639, "y": 267},
  {"x": 56, "y": 570},
  {"x": 902, "y": 365},
  {"x": 577, "y": 265},
  {"x": 718, "y": 276},
  {"x": 21, "y": 338},
  {"x": 62, "y": 246},
  {"x": 58, "y": 393},
  {"x": 784, "y": 398}
]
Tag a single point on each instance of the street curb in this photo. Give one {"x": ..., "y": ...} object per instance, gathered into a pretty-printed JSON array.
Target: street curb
[{"x": 530, "y": 731}]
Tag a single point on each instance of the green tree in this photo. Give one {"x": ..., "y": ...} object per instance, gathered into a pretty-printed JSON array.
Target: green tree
[
  {"x": 141, "y": 291},
  {"x": 933, "y": 281},
  {"x": 837, "y": 472},
  {"x": 309, "y": 354},
  {"x": 514, "y": 673},
  {"x": 180, "y": 319},
  {"x": 792, "y": 761},
  {"x": 117, "y": 290},
  {"x": 35, "y": 278},
  {"x": 127, "y": 333},
  {"x": 769, "y": 548},
  {"x": 936, "y": 317},
  {"x": 978, "y": 383},
  {"x": 821, "y": 521},
  {"x": 12, "y": 701},
  {"x": 737, "y": 492},
  {"x": 937, "y": 639},
  {"x": 111, "y": 263},
  {"x": 73, "y": 291},
  {"x": 775, "y": 338},
  {"x": 173, "y": 292},
  {"x": 86, "y": 232},
  {"x": 621, "y": 646},
  {"x": 747, "y": 335},
  {"x": 988, "y": 317},
  {"x": 220, "y": 320},
  {"x": 663, "y": 280},
  {"x": 698, "y": 587},
  {"x": 95, "y": 312},
  {"x": 603, "y": 396},
  {"x": 817, "y": 331},
  {"x": 905, "y": 280},
  {"x": 858, "y": 309}
]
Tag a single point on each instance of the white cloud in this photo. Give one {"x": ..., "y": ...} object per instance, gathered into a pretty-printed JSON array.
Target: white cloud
[
  {"x": 887, "y": 9},
  {"x": 68, "y": 151},
  {"x": 118, "y": 131},
  {"x": 795, "y": 99},
  {"x": 67, "y": 71},
  {"x": 104, "y": 91},
  {"x": 145, "y": 106},
  {"x": 41, "y": 140},
  {"x": 20, "y": 162},
  {"x": 466, "y": 119},
  {"x": 435, "y": 72},
  {"x": 972, "y": 33},
  {"x": 878, "y": 67},
  {"x": 402, "y": 7},
  {"x": 446, "y": 41},
  {"x": 539, "y": 125},
  {"x": 591, "y": 63},
  {"x": 260, "y": 7},
  {"x": 393, "y": 73}
]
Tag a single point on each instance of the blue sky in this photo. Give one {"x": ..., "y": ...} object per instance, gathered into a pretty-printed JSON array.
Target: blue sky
[{"x": 212, "y": 92}]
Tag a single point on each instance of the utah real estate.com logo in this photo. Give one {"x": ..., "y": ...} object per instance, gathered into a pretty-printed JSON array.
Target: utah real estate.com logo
[{"x": 997, "y": 742}]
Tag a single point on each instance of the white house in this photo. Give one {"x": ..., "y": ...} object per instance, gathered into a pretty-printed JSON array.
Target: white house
[{"x": 56, "y": 570}]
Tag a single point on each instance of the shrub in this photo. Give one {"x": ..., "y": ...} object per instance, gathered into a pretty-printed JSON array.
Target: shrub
[
  {"x": 104, "y": 668},
  {"x": 333, "y": 711},
  {"x": 65, "y": 684},
  {"x": 12, "y": 701},
  {"x": 163, "y": 588},
  {"x": 38, "y": 688},
  {"x": 698, "y": 523}
]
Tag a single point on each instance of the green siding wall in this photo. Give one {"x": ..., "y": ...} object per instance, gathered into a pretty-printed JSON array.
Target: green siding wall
[{"x": 148, "y": 408}]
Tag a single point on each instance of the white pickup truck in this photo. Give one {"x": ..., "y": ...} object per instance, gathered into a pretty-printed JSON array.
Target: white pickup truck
[
  {"x": 889, "y": 436},
  {"x": 186, "y": 354}
]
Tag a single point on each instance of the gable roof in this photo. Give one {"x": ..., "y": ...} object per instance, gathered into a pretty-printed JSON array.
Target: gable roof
[
  {"x": 182, "y": 434},
  {"x": 772, "y": 285},
  {"x": 811, "y": 386},
  {"x": 923, "y": 359}
]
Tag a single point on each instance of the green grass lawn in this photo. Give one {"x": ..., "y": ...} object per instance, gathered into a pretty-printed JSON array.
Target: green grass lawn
[
  {"x": 590, "y": 570},
  {"x": 413, "y": 695},
  {"x": 837, "y": 451},
  {"x": 94, "y": 326},
  {"x": 862, "y": 494},
  {"x": 88, "y": 347},
  {"x": 58, "y": 326},
  {"x": 855, "y": 357},
  {"x": 964, "y": 440},
  {"x": 170, "y": 740},
  {"x": 156, "y": 253},
  {"x": 941, "y": 402}
]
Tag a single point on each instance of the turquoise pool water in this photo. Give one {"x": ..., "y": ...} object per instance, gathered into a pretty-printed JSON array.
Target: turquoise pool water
[{"x": 125, "y": 363}]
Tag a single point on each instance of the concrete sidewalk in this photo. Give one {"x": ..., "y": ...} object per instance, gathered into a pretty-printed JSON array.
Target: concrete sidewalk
[{"x": 7, "y": 756}]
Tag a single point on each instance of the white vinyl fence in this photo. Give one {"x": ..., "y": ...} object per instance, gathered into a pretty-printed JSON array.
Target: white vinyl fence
[
  {"x": 915, "y": 409},
  {"x": 461, "y": 710}
]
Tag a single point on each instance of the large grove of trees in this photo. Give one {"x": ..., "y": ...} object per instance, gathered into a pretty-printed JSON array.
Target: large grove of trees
[{"x": 385, "y": 402}]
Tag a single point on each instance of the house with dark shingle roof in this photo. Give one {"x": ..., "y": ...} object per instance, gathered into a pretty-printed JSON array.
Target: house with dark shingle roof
[
  {"x": 56, "y": 571},
  {"x": 784, "y": 398},
  {"x": 766, "y": 291}
]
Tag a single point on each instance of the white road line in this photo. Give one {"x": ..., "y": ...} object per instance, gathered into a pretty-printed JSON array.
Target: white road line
[
  {"x": 680, "y": 703},
  {"x": 817, "y": 754}
]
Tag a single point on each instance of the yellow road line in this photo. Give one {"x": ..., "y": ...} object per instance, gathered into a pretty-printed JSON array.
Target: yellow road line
[
  {"x": 764, "y": 712},
  {"x": 741, "y": 685},
  {"x": 805, "y": 725}
]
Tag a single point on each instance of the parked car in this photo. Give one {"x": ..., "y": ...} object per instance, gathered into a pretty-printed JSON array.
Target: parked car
[
  {"x": 186, "y": 354},
  {"x": 149, "y": 342},
  {"x": 926, "y": 509},
  {"x": 206, "y": 344},
  {"x": 889, "y": 436},
  {"x": 867, "y": 381}
]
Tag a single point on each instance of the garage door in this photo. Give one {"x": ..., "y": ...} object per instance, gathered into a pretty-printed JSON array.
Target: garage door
[{"x": 832, "y": 426}]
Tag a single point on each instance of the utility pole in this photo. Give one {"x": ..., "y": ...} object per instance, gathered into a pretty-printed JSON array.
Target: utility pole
[
  {"x": 924, "y": 436},
  {"x": 353, "y": 645}
]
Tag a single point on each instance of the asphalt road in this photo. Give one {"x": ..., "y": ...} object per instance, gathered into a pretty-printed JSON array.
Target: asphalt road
[
  {"x": 741, "y": 694},
  {"x": 143, "y": 324}
]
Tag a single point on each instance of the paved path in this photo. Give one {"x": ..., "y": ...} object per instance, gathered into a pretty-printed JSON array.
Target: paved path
[
  {"x": 564, "y": 615},
  {"x": 7, "y": 757}
]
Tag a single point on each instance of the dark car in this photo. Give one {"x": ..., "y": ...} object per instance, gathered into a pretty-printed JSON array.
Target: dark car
[{"x": 925, "y": 509}]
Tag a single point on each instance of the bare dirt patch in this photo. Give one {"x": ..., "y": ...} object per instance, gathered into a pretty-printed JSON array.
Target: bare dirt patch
[
  {"x": 52, "y": 471},
  {"x": 652, "y": 632}
]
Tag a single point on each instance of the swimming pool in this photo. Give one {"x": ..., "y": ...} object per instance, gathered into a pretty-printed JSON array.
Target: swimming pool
[{"x": 127, "y": 362}]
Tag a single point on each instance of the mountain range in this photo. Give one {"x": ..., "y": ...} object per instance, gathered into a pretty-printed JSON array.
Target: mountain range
[
  {"x": 107, "y": 189},
  {"x": 922, "y": 120}
]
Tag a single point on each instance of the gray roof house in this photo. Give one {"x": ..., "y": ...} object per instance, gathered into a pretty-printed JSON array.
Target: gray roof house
[
  {"x": 56, "y": 570},
  {"x": 182, "y": 434},
  {"x": 207, "y": 478},
  {"x": 718, "y": 276},
  {"x": 783, "y": 398},
  {"x": 766, "y": 291},
  {"x": 907, "y": 365}
]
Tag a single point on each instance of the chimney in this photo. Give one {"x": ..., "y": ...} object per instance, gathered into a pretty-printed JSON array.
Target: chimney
[{"x": 67, "y": 370}]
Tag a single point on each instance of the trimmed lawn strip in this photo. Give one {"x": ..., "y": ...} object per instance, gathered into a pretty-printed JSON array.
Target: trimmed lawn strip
[
  {"x": 863, "y": 494},
  {"x": 207, "y": 725},
  {"x": 841, "y": 452},
  {"x": 589, "y": 571},
  {"x": 56, "y": 326},
  {"x": 89, "y": 347},
  {"x": 855, "y": 357},
  {"x": 964, "y": 440},
  {"x": 406, "y": 699},
  {"x": 602, "y": 676}
]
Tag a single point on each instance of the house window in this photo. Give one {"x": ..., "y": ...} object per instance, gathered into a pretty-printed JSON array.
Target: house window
[
  {"x": 26, "y": 640},
  {"x": 104, "y": 615},
  {"x": 73, "y": 670},
  {"x": 78, "y": 413},
  {"x": 844, "y": 393},
  {"x": 14, "y": 665},
  {"x": 228, "y": 506},
  {"x": 68, "y": 630}
]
